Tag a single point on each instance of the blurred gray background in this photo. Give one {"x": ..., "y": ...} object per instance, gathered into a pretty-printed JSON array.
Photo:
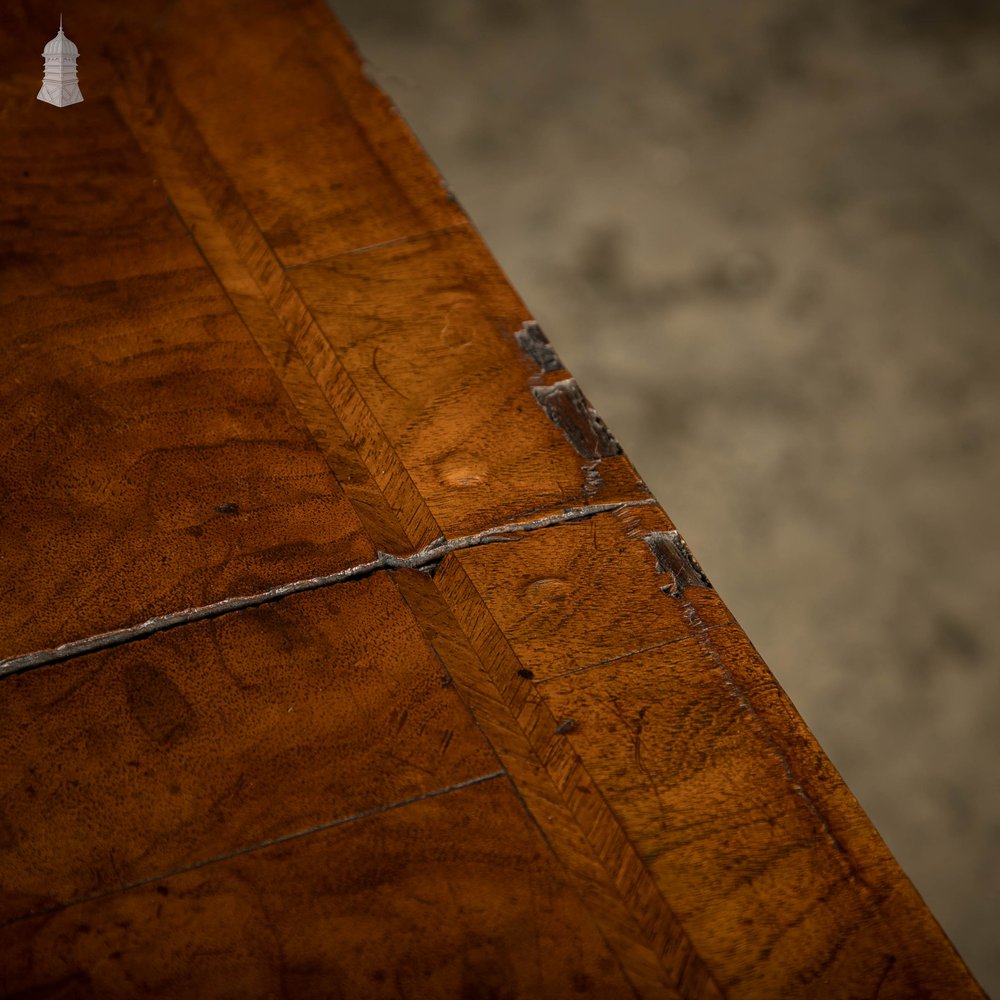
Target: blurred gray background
[{"x": 765, "y": 236}]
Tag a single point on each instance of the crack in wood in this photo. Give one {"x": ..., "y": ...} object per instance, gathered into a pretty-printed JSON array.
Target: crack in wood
[{"x": 428, "y": 556}]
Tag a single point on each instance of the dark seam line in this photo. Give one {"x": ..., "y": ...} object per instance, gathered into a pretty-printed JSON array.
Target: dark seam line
[
  {"x": 378, "y": 810},
  {"x": 458, "y": 227},
  {"x": 426, "y": 556},
  {"x": 635, "y": 652}
]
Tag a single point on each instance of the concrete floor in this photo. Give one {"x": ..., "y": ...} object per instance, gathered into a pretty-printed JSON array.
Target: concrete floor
[{"x": 765, "y": 235}]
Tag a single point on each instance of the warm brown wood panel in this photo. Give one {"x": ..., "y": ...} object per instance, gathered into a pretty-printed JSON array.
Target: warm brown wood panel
[
  {"x": 459, "y": 410},
  {"x": 427, "y": 430},
  {"x": 532, "y": 743},
  {"x": 919, "y": 960},
  {"x": 92, "y": 227},
  {"x": 665, "y": 723},
  {"x": 314, "y": 150},
  {"x": 151, "y": 460},
  {"x": 249, "y": 346},
  {"x": 586, "y": 592},
  {"x": 691, "y": 772},
  {"x": 456, "y": 895},
  {"x": 219, "y": 736}
]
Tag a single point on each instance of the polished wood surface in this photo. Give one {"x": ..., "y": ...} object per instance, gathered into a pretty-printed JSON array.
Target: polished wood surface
[{"x": 343, "y": 651}]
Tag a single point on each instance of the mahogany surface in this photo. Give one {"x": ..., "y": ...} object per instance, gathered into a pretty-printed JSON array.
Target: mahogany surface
[{"x": 343, "y": 651}]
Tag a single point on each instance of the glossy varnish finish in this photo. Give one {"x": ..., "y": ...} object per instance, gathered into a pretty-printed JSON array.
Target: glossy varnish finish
[{"x": 344, "y": 654}]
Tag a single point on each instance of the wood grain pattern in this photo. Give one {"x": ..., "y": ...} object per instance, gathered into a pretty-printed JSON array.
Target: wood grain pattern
[
  {"x": 567, "y": 594},
  {"x": 326, "y": 326},
  {"x": 134, "y": 404},
  {"x": 567, "y": 804},
  {"x": 459, "y": 411},
  {"x": 334, "y": 170},
  {"x": 690, "y": 769},
  {"x": 220, "y": 736},
  {"x": 691, "y": 773},
  {"x": 455, "y": 895},
  {"x": 340, "y": 421},
  {"x": 249, "y": 344},
  {"x": 920, "y": 960}
]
